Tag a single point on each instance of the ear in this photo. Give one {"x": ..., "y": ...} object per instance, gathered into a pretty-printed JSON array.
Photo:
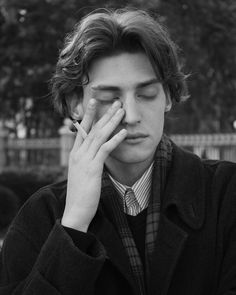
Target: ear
[
  {"x": 168, "y": 103},
  {"x": 75, "y": 107}
]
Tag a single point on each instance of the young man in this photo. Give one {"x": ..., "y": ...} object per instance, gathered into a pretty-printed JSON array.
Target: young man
[{"x": 137, "y": 215}]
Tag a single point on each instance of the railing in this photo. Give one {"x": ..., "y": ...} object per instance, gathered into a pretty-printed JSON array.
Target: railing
[
  {"x": 55, "y": 151},
  {"x": 30, "y": 152},
  {"x": 212, "y": 146},
  {"x": 37, "y": 151}
]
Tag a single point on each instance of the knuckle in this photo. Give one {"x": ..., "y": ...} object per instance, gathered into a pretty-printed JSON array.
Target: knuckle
[
  {"x": 98, "y": 134},
  {"x": 104, "y": 148}
]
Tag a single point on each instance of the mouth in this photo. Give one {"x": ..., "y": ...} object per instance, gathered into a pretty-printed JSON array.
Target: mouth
[{"x": 135, "y": 138}]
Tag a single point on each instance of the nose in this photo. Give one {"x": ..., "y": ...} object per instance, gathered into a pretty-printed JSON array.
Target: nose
[{"x": 132, "y": 110}]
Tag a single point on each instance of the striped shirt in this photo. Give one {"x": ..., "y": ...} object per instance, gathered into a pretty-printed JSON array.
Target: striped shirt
[{"x": 141, "y": 189}]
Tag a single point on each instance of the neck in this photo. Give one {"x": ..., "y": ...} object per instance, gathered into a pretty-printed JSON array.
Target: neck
[{"x": 127, "y": 173}]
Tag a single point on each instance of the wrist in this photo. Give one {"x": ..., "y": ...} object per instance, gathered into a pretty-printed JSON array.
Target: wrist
[{"x": 74, "y": 224}]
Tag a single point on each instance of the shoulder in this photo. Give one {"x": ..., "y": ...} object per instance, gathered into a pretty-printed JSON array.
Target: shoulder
[
  {"x": 219, "y": 176},
  {"x": 220, "y": 169},
  {"x": 223, "y": 171},
  {"x": 216, "y": 168},
  {"x": 50, "y": 197},
  {"x": 213, "y": 179},
  {"x": 222, "y": 180},
  {"x": 40, "y": 212}
]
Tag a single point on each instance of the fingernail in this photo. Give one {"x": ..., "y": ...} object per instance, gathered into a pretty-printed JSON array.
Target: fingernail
[
  {"x": 123, "y": 132},
  {"x": 116, "y": 104},
  {"x": 92, "y": 101}
]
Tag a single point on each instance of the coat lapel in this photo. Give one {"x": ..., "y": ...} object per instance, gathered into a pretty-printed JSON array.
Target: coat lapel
[
  {"x": 182, "y": 200},
  {"x": 185, "y": 188},
  {"x": 170, "y": 243},
  {"x": 105, "y": 231}
]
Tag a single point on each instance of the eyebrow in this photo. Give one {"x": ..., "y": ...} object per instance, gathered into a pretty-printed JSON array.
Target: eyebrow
[{"x": 116, "y": 88}]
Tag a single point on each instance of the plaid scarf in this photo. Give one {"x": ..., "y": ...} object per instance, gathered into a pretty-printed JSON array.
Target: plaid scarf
[{"x": 162, "y": 162}]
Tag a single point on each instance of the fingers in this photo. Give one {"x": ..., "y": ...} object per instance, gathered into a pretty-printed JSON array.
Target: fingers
[
  {"x": 101, "y": 131},
  {"x": 89, "y": 115},
  {"x": 97, "y": 129},
  {"x": 102, "y": 134},
  {"x": 108, "y": 115},
  {"x": 80, "y": 129},
  {"x": 77, "y": 142},
  {"x": 110, "y": 145},
  {"x": 85, "y": 124}
]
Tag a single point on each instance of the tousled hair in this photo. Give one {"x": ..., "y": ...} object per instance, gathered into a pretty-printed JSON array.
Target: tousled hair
[{"x": 110, "y": 32}]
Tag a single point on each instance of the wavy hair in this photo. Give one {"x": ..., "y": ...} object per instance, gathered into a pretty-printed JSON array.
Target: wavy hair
[{"x": 110, "y": 32}]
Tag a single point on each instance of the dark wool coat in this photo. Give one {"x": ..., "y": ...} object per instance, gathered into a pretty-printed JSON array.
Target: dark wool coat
[{"x": 196, "y": 242}]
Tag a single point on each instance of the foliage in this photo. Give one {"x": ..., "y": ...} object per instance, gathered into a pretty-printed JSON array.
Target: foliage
[
  {"x": 206, "y": 30},
  {"x": 32, "y": 32}
]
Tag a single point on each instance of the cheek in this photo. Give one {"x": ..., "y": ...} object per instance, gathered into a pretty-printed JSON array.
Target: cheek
[{"x": 156, "y": 119}]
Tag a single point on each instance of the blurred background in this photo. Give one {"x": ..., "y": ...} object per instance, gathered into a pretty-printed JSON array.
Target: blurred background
[{"x": 35, "y": 141}]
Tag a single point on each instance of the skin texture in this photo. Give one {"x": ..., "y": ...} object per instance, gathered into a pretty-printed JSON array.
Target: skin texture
[{"x": 124, "y": 121}]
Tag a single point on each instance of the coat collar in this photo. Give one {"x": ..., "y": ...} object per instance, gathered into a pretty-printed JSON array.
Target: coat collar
[{"x": 185, "y": 188}]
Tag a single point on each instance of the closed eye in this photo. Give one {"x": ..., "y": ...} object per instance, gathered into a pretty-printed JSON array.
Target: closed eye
[
  {"x": 105, "y": 96},
  {"x": 147, "y": 96},
  {"x": 149, "y": 92},
  {"x": 106, "y": 99}
]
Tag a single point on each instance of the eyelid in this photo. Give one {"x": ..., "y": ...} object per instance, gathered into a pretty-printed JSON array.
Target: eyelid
[
  {"x": 149, "y": 90},
  {"x": 146, "y": 96},
  {"x": 105, "y": 100},
  {"x": 99, "y": 92},
  {"x": 152, "y": 94}
]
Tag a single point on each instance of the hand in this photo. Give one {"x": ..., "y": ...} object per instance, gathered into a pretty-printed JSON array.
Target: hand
[{"x": 86, "y": 164}]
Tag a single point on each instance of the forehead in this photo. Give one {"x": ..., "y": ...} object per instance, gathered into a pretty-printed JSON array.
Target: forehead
[{"x": 121, "y": 70}]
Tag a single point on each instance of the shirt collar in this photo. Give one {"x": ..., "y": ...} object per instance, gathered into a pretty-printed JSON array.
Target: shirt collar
[{"x": 141, "y": 188}]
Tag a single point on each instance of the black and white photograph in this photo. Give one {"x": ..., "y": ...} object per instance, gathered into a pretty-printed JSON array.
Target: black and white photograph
[{"x": 117, "y": 147}]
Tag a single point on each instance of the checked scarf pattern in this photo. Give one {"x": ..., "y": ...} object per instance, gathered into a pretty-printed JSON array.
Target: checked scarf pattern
[{"x": 162, "y": 162}]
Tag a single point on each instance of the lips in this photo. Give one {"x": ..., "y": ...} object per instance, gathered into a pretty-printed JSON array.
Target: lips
[{"x": 136, "y": 136}]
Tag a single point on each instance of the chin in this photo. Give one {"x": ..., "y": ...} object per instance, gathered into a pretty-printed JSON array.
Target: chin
[{"x": 132, "y": 157}]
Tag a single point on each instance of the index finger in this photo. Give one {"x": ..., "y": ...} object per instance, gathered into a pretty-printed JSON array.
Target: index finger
[{"x": 89, "y": 115}]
